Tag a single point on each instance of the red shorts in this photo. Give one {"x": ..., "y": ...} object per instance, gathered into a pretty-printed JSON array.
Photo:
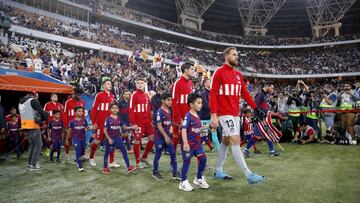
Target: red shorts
[
  {"x": 100, "y": 135},
  {"x": 176, "y": 130},
  {"x": 144, "y": 129}
]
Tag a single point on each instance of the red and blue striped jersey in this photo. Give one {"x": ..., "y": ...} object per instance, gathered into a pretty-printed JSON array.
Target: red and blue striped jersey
[
  {"x": 56, "y": 129},
  {"x": 164, "y": 118},
  {"x": 78, "y": 128},
  {"x": 13, "y": 128},
  {"x": 113, "y": 126},
  {"x": 192, "y": 124}
]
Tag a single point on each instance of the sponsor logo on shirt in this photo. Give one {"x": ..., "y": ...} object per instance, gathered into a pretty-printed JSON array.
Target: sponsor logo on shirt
[{"x": 195, "y": 130}]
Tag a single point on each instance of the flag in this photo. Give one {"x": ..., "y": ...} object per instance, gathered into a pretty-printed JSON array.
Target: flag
[
  {"x": 144, "y": 55},
  {"x": 268, "y": 130}
]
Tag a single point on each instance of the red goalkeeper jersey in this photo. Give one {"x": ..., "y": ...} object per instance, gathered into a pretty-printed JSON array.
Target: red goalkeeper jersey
[{"x": 227, "y": 86}]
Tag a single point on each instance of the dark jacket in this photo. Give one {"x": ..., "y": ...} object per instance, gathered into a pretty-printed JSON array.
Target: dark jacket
[{"x": 205, "y": 110}]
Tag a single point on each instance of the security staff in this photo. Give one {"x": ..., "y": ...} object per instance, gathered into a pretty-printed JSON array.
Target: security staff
[{"x": 32, "y": 116}]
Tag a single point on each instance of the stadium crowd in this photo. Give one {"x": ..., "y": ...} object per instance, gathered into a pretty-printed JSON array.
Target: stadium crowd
[
  {"x": 302, "y": 61},
  {"x": 116, "y": 9}
]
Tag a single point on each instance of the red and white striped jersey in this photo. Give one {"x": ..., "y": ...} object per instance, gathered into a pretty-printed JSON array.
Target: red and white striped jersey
[
  {"x": 227, "y": 86},
  {"x": 50, "y": 107},
  {"x": 69, "y": 112},
  {"x": 248, "y": 128},
  {"x": 101, "y": 108},
  {"x": 140, "y": 108},
  {"x": 180, "y": 91}
]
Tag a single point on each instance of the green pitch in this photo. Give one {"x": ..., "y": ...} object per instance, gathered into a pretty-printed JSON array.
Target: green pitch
[{"x": 311, "y": 173}]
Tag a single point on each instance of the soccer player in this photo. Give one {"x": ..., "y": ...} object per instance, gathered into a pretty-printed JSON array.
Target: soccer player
[
  {"x": 180, "y": 91},
  {"x": 261, "y": 102},
  {"x": 98, "y": 114},
  {"x": 248, "y": 133},
  {"x": 124, "y": 115},
  {"x": 163, "y": 137},
  {"x": 13, "y": 111},
  {"x": 190, "y": 132},
  {"x": 69, "y": 114},
  {"x": 226, "y": 87},
  {"x": 112, "y": 131},
  {"x": 55, "y": 132},
  {"x": 49, "y": 108},
  {"x": 13, "y": 130},
  {"x": 53, "y": 105},
  {"x": 140, "y": 115},
  {"x": 76, "y": 131}
]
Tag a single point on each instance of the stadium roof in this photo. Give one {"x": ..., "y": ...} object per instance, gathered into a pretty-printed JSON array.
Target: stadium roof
[{"x": 290, "y": 21}]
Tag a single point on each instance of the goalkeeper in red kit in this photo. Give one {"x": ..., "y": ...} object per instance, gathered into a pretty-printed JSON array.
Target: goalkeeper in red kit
[{"x": 227, "y": 86}]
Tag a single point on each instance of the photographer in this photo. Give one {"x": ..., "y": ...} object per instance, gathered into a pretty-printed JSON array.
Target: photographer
[
  {"x": 304, "y": 134},
  {"x": 32, "y": 116},
  {"x": 348, "y": 99},
  {"x": 328, "y": 102},
  {"x": 357, "y": 127},
  {"x": 293, "y": 104},
  {"x": 311, "y": 104}
]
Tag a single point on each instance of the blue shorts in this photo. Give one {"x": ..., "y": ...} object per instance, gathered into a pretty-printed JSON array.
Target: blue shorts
[
  {"x": 256, "y": 130},
  {"x": 193, "y": 152},
  {"x": 117, "y": 143},
  {"x": 204, "y": 138},
  {"x": 160, "y": 140}
]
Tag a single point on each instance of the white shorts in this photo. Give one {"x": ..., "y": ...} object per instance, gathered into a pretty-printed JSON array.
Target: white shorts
[{"x": 230, "y": 125}]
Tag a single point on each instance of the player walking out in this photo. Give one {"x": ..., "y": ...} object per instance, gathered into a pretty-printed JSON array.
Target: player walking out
[
  {"x": 77, "y": 129},
  {"x": 98, "y": 114},
  {"x": 261, "y": 102},
  {"x": 112, "y": 131},
  {"x": 163, "y": 137},
  {"x": 69, "y": 114},
  {"x": 226, "y": 87},
  {"x": 140, "y": 115},
  {"x": 55, "y": 134},
  {"x": 180, "y": 91},
  {"x": 191, "y": 129}
]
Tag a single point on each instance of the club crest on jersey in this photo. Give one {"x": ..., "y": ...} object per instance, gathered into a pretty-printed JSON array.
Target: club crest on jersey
[{"x": 238, "y": 77}]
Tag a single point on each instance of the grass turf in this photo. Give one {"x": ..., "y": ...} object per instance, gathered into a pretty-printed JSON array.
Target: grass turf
[{"x": 309, "y": 173}]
